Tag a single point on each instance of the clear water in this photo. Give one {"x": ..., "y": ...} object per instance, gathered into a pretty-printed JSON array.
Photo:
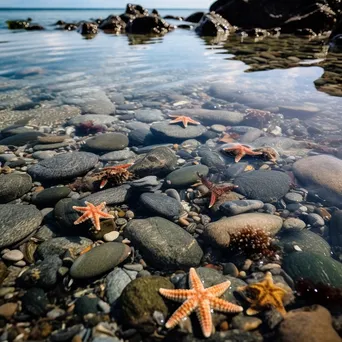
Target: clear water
[{"x": 53, "y": 61}]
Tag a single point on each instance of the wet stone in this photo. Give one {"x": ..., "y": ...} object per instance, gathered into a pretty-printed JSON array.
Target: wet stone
[
  {"x": 294, "y": 223},
  {"x": 99, "y": 260},
  {"x": 107, "y": 142},
  {"x": 35, "y": 302},
  {"x": 116, "y": 281},
  {"x": 313, "y": 266},
  {"x": 163, "y": 243},
  {"x": 13, "y": 255},
  {"x": 240, "y": 206},
  {"x": 59, "y": 245},
  {"x": 49, "y": 197},
  {"x": 21, "y": 138},
  {"x": 117, "y": 155},
  {"x": 335, "y": 229},
  {"x": 266, "y": 186},
  {"x": 63, "y": 166},
  {"x": 116, "y": 195},
  {"x": 149, "y": 115},
  {"x": 162, "y": 205},
  {"x": 17, "y": 222},
  {"x": 186, "y": 176},
  {"x": 13, "y": 186},
  {"x": 292, "y": 197},
  {"x": 97, "y": 119},
  {"x": 86, "y": 305},
  {"x": 176, "y": 132},
  {"x": 315, "y": 220},
  {"x": 306, "y": 240}
]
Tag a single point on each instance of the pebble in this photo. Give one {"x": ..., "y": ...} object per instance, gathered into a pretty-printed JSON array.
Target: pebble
[
  {"x": 8, "y": 310},
  {"x": 218, "y": 128},
  {"x": 13, "y": 255},
  {"x": 293, "y": 197},
  {"x": 230, "y": 269},
  {"x": 294, "y": 223},
  {"x": 315, "y": 220},
  {"x": 111, "y": 236},
  {"x": 186, "y": 175},
  {"x": 107, "y": 142},
  {"x": 240, "y": 206},
  {"x": 13, "y": 186}
]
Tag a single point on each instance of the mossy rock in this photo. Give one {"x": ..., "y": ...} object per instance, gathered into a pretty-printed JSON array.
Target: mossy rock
[
  {"x": 315, "y": 267},
  {"x": 141, "y": 298}
]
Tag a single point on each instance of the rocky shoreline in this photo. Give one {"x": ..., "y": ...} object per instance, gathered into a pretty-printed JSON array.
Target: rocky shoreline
[{"x": 236, "y": 192}]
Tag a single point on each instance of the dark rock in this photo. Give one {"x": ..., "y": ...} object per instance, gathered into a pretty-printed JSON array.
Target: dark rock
[
  {"x": 13, "y": 186},
  {"x": 21, "y": 138},
  {"x": 171, "y": 132},
  {"x": 306, "y": 240},
  {"x": 212, "y": 159},
  {"x": 87, "y": 29},
  {"x": 99, "y": 260},
  {"x": 148, "y": 25},
  {"x": 113, "y": 24},
  {"x": 235, "y": 169},
  {"x": 141, "y": 136},
  {"x": 162, "y": 205},
  {"x": 148, "y": 183},
  {"x": 117, "y": 156},
  {"x": 149, "y": 115},
  {"x": 185, "y": 176},
  {"x": 173, "y": 17},
  {"x": 59, "y": 245},
  {"x": 136, "y": 10},
  {"x": 159, "y": 162},
  {"x": 45, "y": 147},
  {"x": 107, "y": 142},
  {"x": 141, "y": 298},
  {"x": 70, "y": 27},
  {"x": 163, "y": 243},
  {"x": 96, "y": 119},
  {"x": 86, "y": 305},
  {"x": 42, "y": 274},
  {"x": 232, "y": 335},
  {"x": 35, "y": 27},
  {"x": 240, "y": 207},
  {"x": 195, "y": 17},
  {"x": 35, "y": 302},
  {"x": 116, "y": 195},
  {"x": 17, "y": 24},
  {"x": 212, "y": 24},
  {"x": 16, "y": 222},
  {"x": 49, "y": 197},
  {"x": 315, "y": 267},
  {"x": 63, "y": 166},
  {"x": 289, "y": 16},
  {"x": 266, "y": 186}
]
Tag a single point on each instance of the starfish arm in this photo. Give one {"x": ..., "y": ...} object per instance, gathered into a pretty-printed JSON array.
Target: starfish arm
[
  {"x": 204, "y": 316},
  {"x": 81, "y": 209},
  {"x": 103, "y": 183},
  {"x": 213, "y": 199},
  {"x": 193, "y": 121},
  {"x": 224, "y": 306},
  {"x": 82, "y": 218},
  {"x": 219, "y": 289},
  {"x": 183, "y": 311},
  {"x": 96, "y": 221},
  {"x": 252, "y": 311},
  {"x": 195, "y": 281},
  {"x": 239, "y": 156},
  {"x": 177, "y": 295}
]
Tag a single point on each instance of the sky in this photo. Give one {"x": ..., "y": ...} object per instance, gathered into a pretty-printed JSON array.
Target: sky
[{"x": 105, "y": 3}]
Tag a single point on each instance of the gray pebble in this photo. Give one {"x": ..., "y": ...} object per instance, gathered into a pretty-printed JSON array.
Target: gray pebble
[
  {"x": 315, "y": 220},
  {"x": 13, "y": 255},
  {"x": 294, "y": 223},
  {"x": 293, "y": 197}
]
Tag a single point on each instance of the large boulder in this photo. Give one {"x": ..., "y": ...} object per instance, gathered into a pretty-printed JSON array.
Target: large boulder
[
  {"x": 212, "y": 24},
  {"x": 113, "y": 23},
  {"x": 87, "y": 28},
  {"x": 148, "y": 25},
  {"x": 290, "y": 16}
]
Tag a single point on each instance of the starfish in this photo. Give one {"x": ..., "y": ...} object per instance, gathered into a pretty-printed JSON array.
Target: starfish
[
  {"x": 240, "y": 151},
  {"x": 215, "y": 190},
  {"x": 264, "y": 294},
  {"x": 200, "y": 299},
  {"x": 185, "y": 120},
  {"x": 92, "y": 212}
]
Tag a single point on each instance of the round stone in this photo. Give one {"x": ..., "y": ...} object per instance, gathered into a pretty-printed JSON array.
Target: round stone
[
  {"x": 185, "y": 176},
  {"x": 49, "y": 197},
  {"x": 266, "y": 186},
  {"x": 17, "y": 222},
  {"x": 99, "y": 260},
  {"x": 63, "y": 166},
  {"x": 294, "y": 223},
  {"x": 111, "y": 236},
  {"x": 176, "y": 132},
  {"x": 13, "y": 255},
  {"x": 107, "y": 142},
  {"x": 13, "y": 186}
]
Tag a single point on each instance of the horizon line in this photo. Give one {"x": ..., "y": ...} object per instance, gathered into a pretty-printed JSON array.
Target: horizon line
[{"x": 87, "y": 8}]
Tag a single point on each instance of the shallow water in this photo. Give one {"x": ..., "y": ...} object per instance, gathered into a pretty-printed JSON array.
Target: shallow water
[{"x": 50, "y": 62}]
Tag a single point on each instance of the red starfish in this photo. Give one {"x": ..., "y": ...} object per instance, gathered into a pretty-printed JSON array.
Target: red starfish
[
  {"x": 92, "y": 212},
  {"x": 200, "y": 299},
  {"x": 240, "y": 151},
  {"x": 216, "y": 191},
  {"x": 184, "y": 119}
]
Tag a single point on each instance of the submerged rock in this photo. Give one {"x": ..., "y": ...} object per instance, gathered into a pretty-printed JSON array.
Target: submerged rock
[
  {"x": 13, "y": 186},
  {"x": 163, "y": 243},
  {"x": 172, "y": 132},
  {"x": 186, "y": 175},
  {"x": 219, "y": 232}
]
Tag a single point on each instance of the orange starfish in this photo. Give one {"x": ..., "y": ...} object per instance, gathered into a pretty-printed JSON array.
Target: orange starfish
[
  {"x": 200, "y": 299},
  {"x": 215, "y": 190},
  {"x": 92, "y": 212},
  {"x": 240, "y": 151},
  {"x": 183, "y": 119},
  {"x": 264, "y": 294}
]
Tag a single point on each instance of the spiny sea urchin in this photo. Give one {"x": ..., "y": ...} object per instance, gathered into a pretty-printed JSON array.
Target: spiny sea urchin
[{"x": 253, "y": 242}]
